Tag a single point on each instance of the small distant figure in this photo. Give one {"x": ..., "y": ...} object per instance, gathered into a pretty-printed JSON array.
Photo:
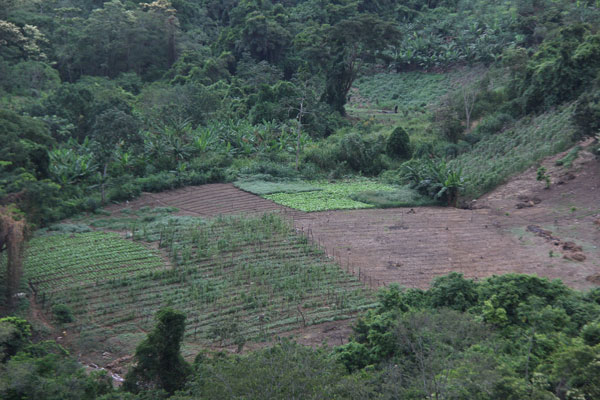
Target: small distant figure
[{"x": 396, "y": 109}]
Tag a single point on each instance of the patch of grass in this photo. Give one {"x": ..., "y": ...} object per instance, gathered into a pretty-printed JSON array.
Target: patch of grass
[
  {"x": 65, "y": 228},
  {"x": 409, "y": 89},
  {"x": 567, "y": 160},
  {"x": 260, "y": 187},
  {"x": 332, "y": 196},
  {"x": 414, "y": 93},
  {"x": 497, "y": 157},
  {"x": 403, "y": 197}
]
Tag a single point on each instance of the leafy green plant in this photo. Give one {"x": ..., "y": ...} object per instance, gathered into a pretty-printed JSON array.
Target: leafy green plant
[
  {"x": 62, "y": 313},
  {"x": 435, "y": 178},
  {"x": 542, "y": 176},
  {"x": 398, "y": 143}
]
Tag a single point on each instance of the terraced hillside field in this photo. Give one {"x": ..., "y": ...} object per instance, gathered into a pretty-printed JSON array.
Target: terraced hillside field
[{"x": 238, "y": 280}]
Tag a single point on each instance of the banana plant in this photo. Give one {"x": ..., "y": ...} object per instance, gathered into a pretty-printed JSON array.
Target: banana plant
[{"x": 71, "y": 164}]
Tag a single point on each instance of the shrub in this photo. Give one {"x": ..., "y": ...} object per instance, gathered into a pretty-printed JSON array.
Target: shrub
[
  {"x": 423, "y": 149},
  {"x": 398, "y": 144},
  {"x": 125, "y": 191},
  {"x": 159, "y": 362},
  {"x": 62, "y": 313},
  {"x": 362, "y": 155},
  {"x": 587, "y": 114},
  {"x": 591, "y": 333},
  {"x": 453, "y": 291},
  {"x": 494, "y": 123}
]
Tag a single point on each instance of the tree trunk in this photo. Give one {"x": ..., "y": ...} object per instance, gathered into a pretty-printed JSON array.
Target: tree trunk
[
  {"x": 102, "y": 185},
  {"x": 298, "y": 132},
  {"x": 12, "y": 234}
]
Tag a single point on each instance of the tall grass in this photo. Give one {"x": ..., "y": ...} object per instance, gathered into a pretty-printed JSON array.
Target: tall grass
[
  {"x": 497, "y": 157},
  {"x": 409, "y": 89}
]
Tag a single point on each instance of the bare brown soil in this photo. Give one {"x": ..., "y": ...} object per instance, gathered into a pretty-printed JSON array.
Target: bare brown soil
[
  {"x": 204, "y": 201},
  {"x": 412, "y": 246}
]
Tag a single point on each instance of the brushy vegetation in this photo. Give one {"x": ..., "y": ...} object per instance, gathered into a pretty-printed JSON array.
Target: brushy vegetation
[
  {"x": 411, "y": 91},
  {"x": 261, "y": 187},
  {"x": 497, "y": 157},
  {"x": 567, "y": 160},
  {"x": 404, "y": 196}
]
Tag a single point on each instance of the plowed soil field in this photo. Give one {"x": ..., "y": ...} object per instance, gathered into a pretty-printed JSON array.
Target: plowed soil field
[{"x": 205, "y": 201}]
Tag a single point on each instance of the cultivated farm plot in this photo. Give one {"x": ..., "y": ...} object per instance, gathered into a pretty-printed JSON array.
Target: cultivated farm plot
[
  {"x": 238, "y": 279},
  {"x": 204, "y": 201}
]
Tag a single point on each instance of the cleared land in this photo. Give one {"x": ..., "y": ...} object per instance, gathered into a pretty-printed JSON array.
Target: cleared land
[
  {"x": 250, "y": 278},
  {"x": 412, "y": 246},
  {"x": 238, "y": 279},
  {"x": 204, "y": 201},
  {"x": 520, "y": 227}
]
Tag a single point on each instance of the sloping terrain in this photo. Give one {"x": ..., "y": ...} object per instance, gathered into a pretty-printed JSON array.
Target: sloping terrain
[
  {"x": 204, "y": 201},
  {"x": 507, "y": 232}
]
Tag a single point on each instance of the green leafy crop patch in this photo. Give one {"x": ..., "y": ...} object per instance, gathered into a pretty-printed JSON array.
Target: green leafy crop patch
[{"x": 331, "y": 196}]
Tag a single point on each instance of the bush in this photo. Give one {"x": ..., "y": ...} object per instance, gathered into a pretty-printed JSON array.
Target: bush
[
  {"x": 494, "y": 123},
  {"x": 591, "y": 333},
  {"x": 125, "y": 191},
  {"x": 158, "y": 182},
  {"x": 62, "y": 313},
  {"x": 398, "y": 144},
  {"x": 362, "y": 155},
  {"x": 423, "y": 150},
  {"x": 453, "y": 291},
  {"x": 587, "y": 114}
]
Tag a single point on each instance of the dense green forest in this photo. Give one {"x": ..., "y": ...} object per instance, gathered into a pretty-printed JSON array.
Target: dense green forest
[{"x": 103, "y": 100}]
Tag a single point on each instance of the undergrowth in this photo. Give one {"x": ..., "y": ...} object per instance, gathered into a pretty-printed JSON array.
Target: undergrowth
[
  {"x": 260, "y": 187},
  {"x": 497, "y": 157},
  {"x": 401, "y": 197}
]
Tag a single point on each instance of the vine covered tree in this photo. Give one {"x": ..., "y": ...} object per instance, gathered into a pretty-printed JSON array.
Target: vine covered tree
[
  {"x": 159, "y": 362},
  {"x": 12, "y": 241}
]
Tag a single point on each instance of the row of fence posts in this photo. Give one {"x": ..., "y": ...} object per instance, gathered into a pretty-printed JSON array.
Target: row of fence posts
[{"x": 337, "y": 256}]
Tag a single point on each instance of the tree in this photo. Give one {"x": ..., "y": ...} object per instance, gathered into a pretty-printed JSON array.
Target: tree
[
  {"x": 351, "y": 42},
  {"x": 159, "y": 362},
  {"x": 14, "y": 335},
  {"x": 398, "y": 143},
  {"x": 112, "y": 128}
]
